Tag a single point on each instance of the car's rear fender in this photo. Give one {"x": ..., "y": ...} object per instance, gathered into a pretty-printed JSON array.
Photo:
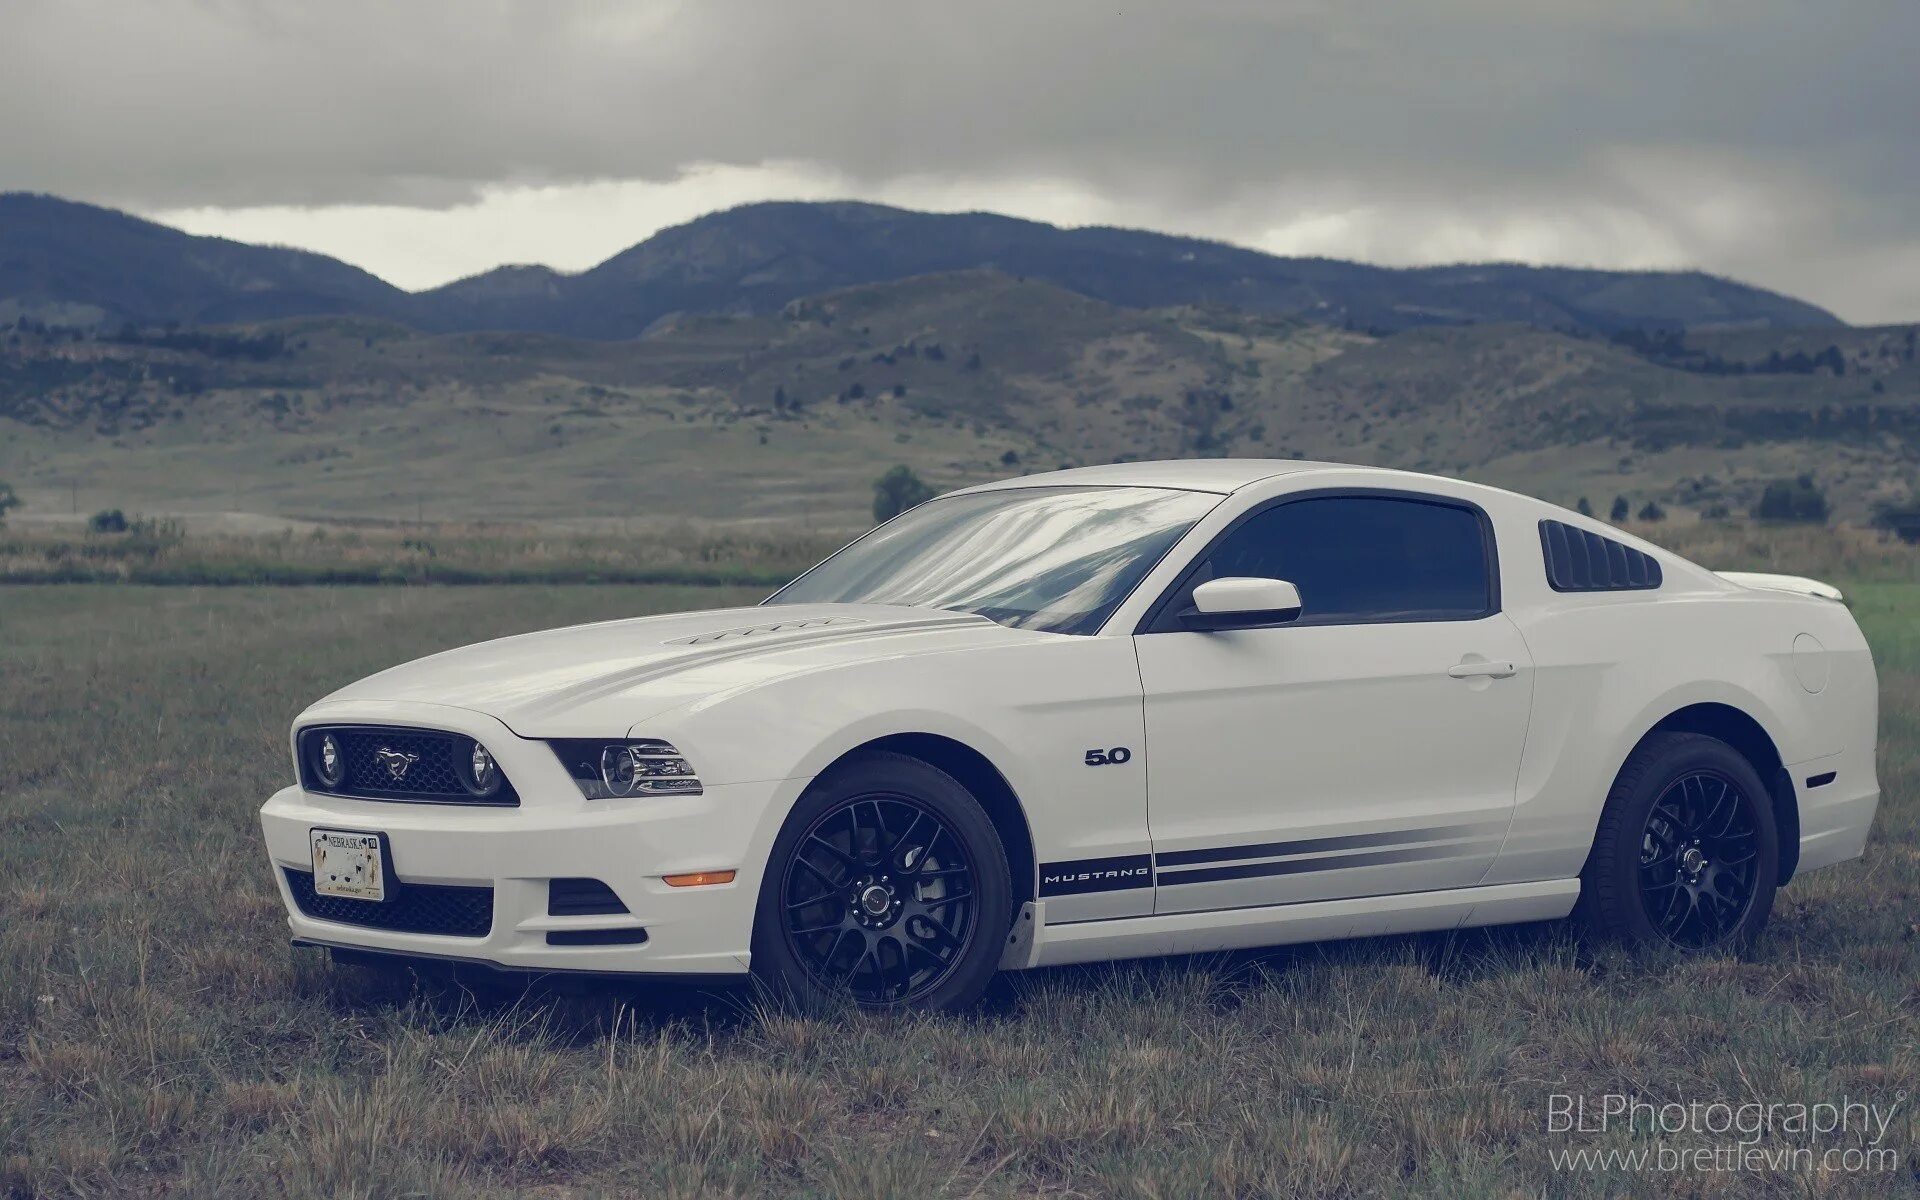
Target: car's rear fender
[{"x": 1608, "y": 673}]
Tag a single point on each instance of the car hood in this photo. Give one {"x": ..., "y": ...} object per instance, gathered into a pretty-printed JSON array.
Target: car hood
[{"x": 595, "y": 680}]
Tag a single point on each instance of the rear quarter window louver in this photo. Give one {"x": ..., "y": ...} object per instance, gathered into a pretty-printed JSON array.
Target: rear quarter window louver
[{"x": 1578, "y": 561}]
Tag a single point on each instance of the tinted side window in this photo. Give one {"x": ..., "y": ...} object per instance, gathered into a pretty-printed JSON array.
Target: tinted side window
[{"x": 1365, "y": 558}]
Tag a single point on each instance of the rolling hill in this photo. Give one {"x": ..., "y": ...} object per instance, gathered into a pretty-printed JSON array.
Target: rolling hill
[
  {"x": 789, "y": 415},
  {"x": 74, "y": 264}
]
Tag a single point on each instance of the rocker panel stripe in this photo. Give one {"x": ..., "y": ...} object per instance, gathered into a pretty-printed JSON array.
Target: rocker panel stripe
[
  {"x": 1346, "y": 841},
  {"x": 1333, "y": 862}
]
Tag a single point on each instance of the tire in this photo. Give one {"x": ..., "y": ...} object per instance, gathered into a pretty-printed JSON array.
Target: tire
[
  {"x": 888, "y": 887},
  {"x": 1687, "y": 853}
]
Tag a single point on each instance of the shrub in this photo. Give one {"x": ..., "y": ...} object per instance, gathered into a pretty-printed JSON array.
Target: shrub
[
  {"x": 1902, "y": 520},
  {"x": 1792, "y": 500},
  {"x": 1651, "y": 511},
  {"x": 8, "y": 499},
  {"x": 897, "y": 491},
  {"x": 107, "y": 520},
  {"x": 1584, "y": 507},
  {"x": 1620, "y": 510}
]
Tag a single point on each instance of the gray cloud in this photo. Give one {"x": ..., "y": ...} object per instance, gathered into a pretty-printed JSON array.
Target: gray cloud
[{"x": 1772, "y": 139}]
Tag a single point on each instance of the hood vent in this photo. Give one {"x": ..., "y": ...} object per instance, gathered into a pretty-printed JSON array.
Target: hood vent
[{"x": 728, "y": 635}]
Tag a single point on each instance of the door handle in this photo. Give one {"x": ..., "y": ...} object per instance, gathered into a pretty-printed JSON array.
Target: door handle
[{"x": 1479, "y": 670}]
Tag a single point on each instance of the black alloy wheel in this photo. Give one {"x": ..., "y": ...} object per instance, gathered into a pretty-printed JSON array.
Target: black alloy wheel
[
  {"x": 879, "y": 899},
  {"x": 1700, "y": 859},
  {"x": 1687, "y": 852},
  {"x": 888, "y": 887}
]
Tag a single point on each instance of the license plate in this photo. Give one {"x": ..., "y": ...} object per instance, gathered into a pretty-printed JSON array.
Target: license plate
[{"x": 348, "y": 865}]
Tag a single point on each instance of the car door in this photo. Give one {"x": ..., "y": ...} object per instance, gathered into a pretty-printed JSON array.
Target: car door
[{"x": 1370, "y": 746}]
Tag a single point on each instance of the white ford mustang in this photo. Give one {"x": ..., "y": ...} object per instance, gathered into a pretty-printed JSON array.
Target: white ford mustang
[{"x": 1141, "y": 709}]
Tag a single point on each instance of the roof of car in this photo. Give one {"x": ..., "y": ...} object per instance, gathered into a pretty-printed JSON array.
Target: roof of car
[{"x": 1220, "y": 475}]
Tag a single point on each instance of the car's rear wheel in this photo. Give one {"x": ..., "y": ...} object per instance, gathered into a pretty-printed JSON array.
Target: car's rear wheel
[
  {"x": 1687, "y": 853},
  {"x": 887, "y": 887}
]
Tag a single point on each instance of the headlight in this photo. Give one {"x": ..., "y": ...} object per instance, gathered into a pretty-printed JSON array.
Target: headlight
[{"x": 646, "y": 767}]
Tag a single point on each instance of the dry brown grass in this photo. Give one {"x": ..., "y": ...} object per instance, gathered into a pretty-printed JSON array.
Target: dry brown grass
[
  {"x": 1829, "y": 552},
  {"x": 666, "y": 553},
  {"x": 158, "y": 1037}
]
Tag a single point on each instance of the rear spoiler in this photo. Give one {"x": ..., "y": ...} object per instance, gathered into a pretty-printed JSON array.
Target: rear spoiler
[{"x": 1782, "y": 583}]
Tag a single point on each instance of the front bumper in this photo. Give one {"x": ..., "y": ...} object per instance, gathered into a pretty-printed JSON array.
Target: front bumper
[{"x": 628, "y": 844}]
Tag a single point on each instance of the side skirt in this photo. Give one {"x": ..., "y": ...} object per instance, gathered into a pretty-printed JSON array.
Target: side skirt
[{"x": 1283, "y": 924}]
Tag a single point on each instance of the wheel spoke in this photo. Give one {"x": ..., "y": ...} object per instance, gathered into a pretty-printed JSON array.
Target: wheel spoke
[
  {"x": 833, "y": 885},
  {"x": 904, "y": 847},
  {"x": 833, "y": 951},
  {"x": 941, "y": 873},
  {"x": 932, "y": 932},
  {"x": 809, "y": 930},
  {"x": 840, "y": 856},
  {"x": 902, "y": 968},
  {"x": 1673, "y": 907},
  {"x": 1724, "y": 812}
]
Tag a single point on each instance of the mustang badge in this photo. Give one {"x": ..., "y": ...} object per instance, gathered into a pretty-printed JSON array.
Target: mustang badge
[{"x": 395, "y": 761}]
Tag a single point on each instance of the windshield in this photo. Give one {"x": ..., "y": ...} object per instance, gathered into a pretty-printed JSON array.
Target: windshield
[{"x": 1057, "y": 559}]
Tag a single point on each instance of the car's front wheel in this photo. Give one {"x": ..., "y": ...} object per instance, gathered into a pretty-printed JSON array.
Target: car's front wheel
[
  {"x": 888, "y": 886},
  {"x": 1687, "y": 853}
]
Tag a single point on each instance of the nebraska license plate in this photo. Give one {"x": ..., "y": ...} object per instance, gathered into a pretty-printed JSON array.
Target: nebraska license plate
[{"x": 348, "y": 864}]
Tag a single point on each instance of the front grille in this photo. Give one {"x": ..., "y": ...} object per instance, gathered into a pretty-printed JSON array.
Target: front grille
[
  {"x": 431, "y": 758},
  {"x": 445, "y": 909}
]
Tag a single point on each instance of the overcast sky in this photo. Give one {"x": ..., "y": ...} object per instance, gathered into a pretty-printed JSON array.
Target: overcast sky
[{"x": 1777, "y": 141}]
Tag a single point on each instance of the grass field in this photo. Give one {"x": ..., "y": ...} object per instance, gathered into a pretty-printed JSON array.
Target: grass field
[
  {"x": 163, "y": 552},
  {"x": 158, "y": 1037}
]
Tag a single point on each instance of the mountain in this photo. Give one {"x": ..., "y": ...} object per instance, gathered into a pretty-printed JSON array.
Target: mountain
[
  {"x": 789, "y": 415},
  {"x": 77, "y": 264},
  {"x": 70, "y": 263},
  {"x": 758, "y": 257}
]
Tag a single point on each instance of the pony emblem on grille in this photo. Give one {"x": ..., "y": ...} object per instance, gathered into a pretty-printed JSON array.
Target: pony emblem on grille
[{"x": 395, "y": 761}]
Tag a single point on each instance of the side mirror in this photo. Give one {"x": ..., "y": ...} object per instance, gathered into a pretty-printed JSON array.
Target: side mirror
[{"x": 1242, "y": 604}]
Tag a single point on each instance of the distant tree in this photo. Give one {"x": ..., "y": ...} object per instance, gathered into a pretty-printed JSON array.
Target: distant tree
[
  {"x": 1651, "y": 511},
  {"x": 1717, "y": 511},
  {"x": 8, "y": 499},
  {"x": 1584, "y": 507},
  {"x": 1792, "y": 500},
  {"x": 779, "y": 399},
  {"x": 1010, "y": 459},
  {"x": 1902, "y": 519},
  {"x": 1620, "y": 510},
  {"x": 897, "y": 491},
  {"x": 108, "y": 520}
]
